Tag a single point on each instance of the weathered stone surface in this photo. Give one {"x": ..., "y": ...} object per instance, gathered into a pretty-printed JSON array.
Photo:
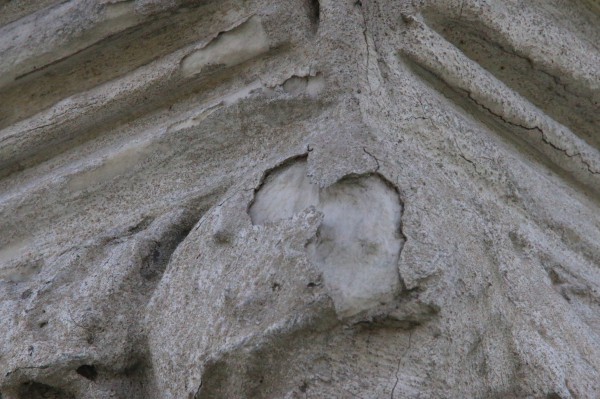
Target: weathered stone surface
[{"x": 300, "y": 198}]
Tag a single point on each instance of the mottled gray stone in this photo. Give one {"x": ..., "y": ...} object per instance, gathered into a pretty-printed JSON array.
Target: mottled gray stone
[{"x": 300, "y": 198}]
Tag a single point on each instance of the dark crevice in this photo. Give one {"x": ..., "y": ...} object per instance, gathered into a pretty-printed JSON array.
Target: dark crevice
[
  {"x": 141, "y": 225},
  {"x": 555, "y": 277},
  {"x": 36, "y": 390},
  {"x": 87, "y": 371},
  {"x": 159, "y": 251},
  {"x": 134, "y": 381},
  {"x": 314, "y": 13},
  {"x": 406, "y": 312},
  {"x": 386, "y": 322}
]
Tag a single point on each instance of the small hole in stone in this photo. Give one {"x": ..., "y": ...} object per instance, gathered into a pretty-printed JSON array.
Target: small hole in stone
[
  {"x": 87, "y": 371},
  {"x": 43, "y": 324},
  {"x": 156, "y": 254},
  {"x": 304, "y": 386},
  {"x": 554, "y": 277}
]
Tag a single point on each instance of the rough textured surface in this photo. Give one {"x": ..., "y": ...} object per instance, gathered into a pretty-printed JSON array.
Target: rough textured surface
[
  {"x": 358, "y": 241},
  {"x": 300, "y": 198}
]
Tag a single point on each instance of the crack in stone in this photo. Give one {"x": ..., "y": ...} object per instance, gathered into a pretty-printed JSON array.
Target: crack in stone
[
  {"x": 374, "y": 158},
  {"x": 544, "y": 139},
  {"x": 364, "y": 32},
  {"x": 27, "y": 368},
  {"x": 399, "y": 363},
  {"x": 543, "y": 135},
  {"x": 529, "y": 61}
]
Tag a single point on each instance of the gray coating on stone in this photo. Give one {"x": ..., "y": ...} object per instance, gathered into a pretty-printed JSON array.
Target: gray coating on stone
[{"x": 300, "y": 199}]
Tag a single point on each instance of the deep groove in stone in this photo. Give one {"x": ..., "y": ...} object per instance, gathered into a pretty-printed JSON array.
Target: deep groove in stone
[
  {"x": 314, "y": 13},
  {"x": 499, "y": 125},
  {"x": 548, "y": 92}
]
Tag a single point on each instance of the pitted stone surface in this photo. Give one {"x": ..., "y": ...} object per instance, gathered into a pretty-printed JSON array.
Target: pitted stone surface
[{"x": 299, "y": 199}]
